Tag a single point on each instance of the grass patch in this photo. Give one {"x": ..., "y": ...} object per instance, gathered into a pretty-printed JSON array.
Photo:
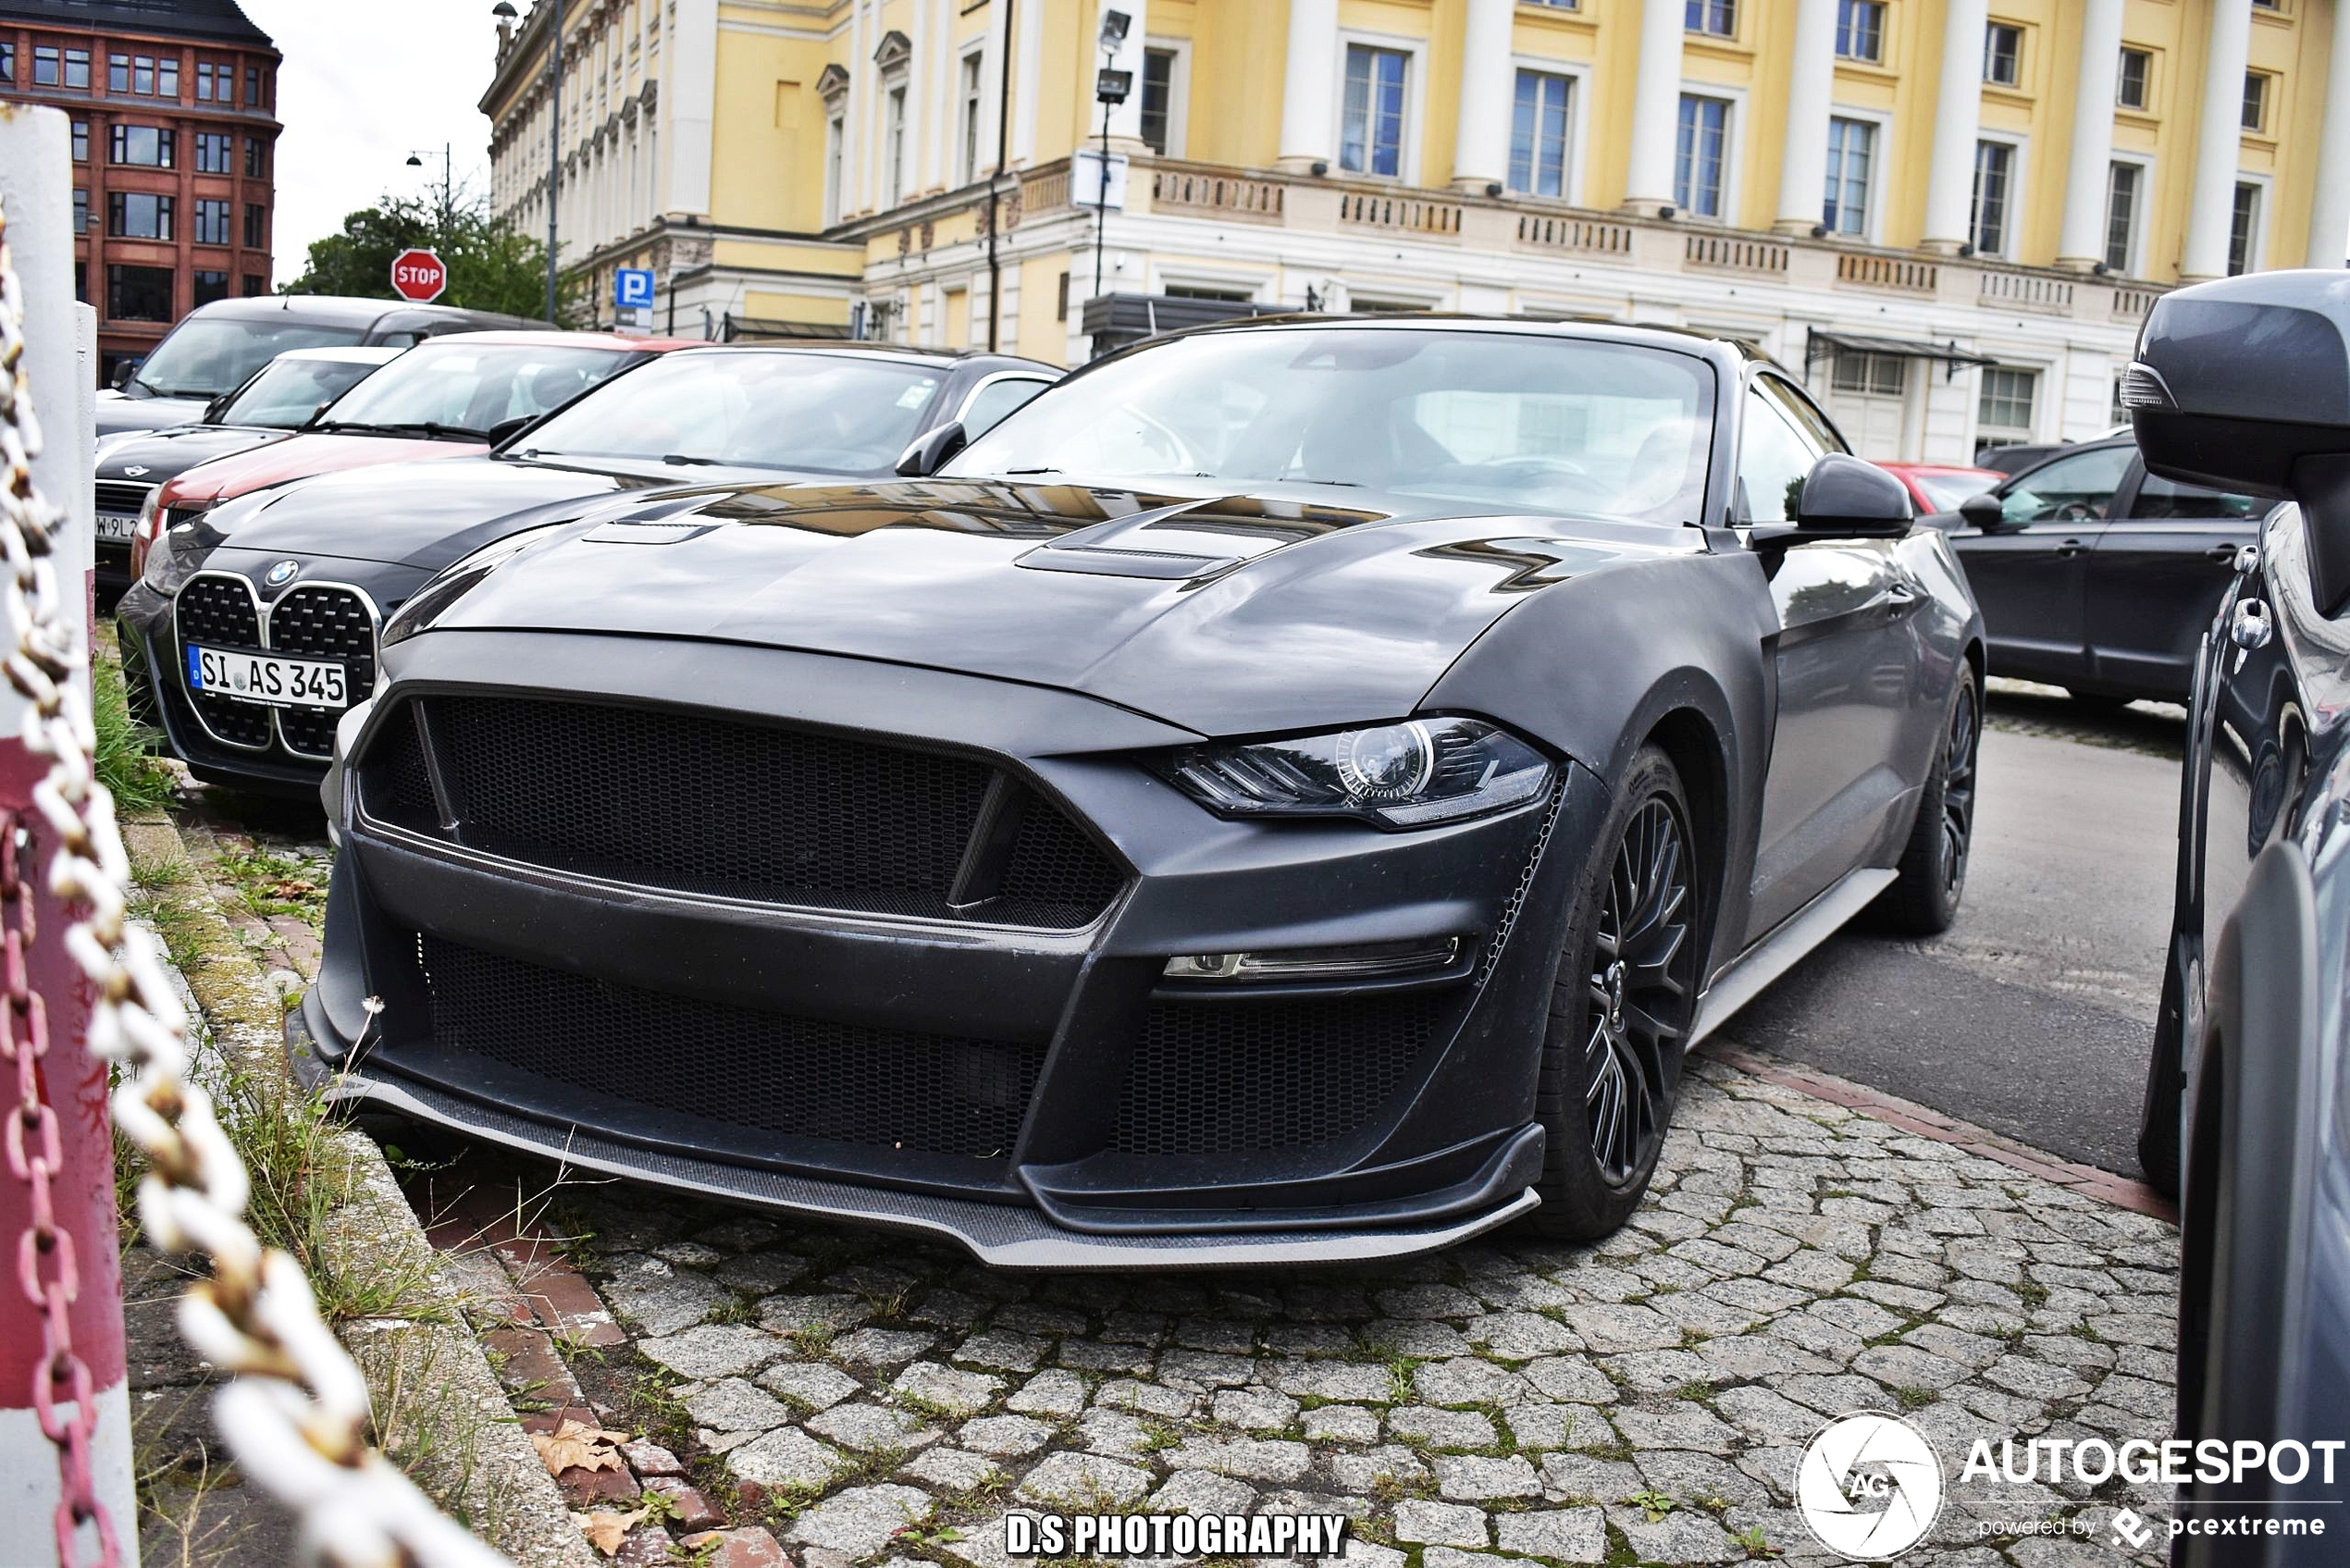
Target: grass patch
[
  {"x": 128, "y": 750},
  {"x": 1916, "y": 1396},
  {"x": 277, "y": 884}
]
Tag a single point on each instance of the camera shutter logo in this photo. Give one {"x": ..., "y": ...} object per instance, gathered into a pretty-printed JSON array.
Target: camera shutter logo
[{"x": 1870, "y": 1486}]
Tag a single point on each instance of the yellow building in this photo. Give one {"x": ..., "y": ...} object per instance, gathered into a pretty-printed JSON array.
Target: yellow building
[{"x": 1948, "y": 215}]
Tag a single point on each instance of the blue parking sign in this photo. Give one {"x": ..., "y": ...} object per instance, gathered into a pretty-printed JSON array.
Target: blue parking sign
[{"x": 632, "y": 286}]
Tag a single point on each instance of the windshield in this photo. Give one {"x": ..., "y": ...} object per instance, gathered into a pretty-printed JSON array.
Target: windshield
[
  {"x": 288, "y": 391},
  {"x": 203, "y": 359},
  {"x": 1490, "y": 418},
  {"x": 820, "y": 412},
  {"x": 1945, "y": 491},
  {"x": 460, "y": 388}
]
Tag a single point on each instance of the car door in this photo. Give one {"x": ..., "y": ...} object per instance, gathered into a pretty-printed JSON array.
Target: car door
[
  {"x": 1845, "y": 673},
  {"x": 2030, "y": 573},
  {"x": 2157, "y": 575}
]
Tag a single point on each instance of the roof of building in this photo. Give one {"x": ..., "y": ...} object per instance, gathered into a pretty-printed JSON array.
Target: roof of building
[{"x": 192, "y": 19}]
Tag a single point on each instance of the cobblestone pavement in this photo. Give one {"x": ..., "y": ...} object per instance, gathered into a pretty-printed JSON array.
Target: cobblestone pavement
[{"x": 848, "y": 1397}]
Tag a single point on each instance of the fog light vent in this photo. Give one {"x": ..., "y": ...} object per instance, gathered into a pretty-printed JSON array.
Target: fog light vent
[{"x": 1371, "y": 960}]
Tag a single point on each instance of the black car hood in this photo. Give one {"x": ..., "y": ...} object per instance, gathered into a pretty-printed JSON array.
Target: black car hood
[
  {"x": 162, "y": 454},
  {"x": 118, "y": 413},
  {"x": 425, "y": 514},
  {"x": 1227, "y": 614}
]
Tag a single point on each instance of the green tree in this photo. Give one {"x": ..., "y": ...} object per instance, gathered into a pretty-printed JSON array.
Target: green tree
[{"x": 491, "y": 266}]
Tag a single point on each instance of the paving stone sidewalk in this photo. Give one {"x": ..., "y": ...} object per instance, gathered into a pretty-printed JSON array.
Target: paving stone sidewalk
[{"x": 834, "y": 1397}]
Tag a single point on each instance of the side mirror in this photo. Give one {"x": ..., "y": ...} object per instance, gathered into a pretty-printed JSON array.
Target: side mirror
[
  {"x": 507, "y": 429},
  {"x": 1843, "y": 498},
  {"x": 930, "y": 451},
  {"x": 212, "y": 410},
  {"x": 123, "y": 372},
  {"x": 1983, "y": 511},
  {"x": 2244, "y": 385}
]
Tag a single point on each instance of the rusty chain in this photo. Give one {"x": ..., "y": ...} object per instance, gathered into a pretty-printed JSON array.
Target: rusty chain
[{"x": 295, "y": 1410}]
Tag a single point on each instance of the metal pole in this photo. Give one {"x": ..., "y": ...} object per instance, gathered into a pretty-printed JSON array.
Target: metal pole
[
  {"x": 66, "y": 1209},
  {"x": 995, "y": 204},
  {"x": 554, "y": 144},
  {"x": 1101, "y": 219}
]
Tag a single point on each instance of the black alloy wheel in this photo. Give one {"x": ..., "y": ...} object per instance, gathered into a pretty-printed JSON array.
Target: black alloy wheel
[
  {"x": 1924, "y": 900},
  {"x": 1621, "y": 1009}
]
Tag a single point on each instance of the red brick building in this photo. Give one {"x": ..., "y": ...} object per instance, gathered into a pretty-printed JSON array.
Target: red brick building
[{"x": 175, "y": 131}]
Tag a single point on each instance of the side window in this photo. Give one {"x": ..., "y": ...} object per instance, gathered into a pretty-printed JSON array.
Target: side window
[
  {"x": 988, "y": 406},
  {"x": 1774, "y": 461},
  {"x": 1807, "y": 417},
  {"x": 2068, "y": 490},
  {"x": 2160, "y": 498}
]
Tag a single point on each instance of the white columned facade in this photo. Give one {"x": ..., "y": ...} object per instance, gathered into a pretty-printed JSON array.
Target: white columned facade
[
  {"x": 688, "y": 96},
  {"x": 1810, "y": 89},
  {"x": 1958, "y": 114},
  {"x": 2329, "y": 208},
  {"x": 1481, "y": 144},
  {"x": 2219, "y": 139},
  {"x": 1309, "y": 121},
  {"x": 1027, "y": 76},
  {"x": 1126, "y": 120},
  {"x": 1656, "y": 106},
  {"x": 2081, "y": 239},
  {"x": 995, "y": 80}
]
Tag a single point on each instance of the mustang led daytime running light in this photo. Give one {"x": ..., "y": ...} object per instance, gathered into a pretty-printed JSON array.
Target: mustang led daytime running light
[{"x": 1416, "y": 773}]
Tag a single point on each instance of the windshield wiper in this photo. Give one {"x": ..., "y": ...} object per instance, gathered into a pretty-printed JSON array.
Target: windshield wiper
[
  {"x": 415, "y": 426},
  {"x": 1024, "y": 473},
  {"x": 686, "y": 460}
]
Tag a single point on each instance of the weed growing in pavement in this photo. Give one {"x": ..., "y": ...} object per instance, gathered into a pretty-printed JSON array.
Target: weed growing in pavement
[
  {"x": 1653, "y": 1503},
  {"x": 734, "y": 1309},
  {"x": 2030, "y": 1293},
  {"x": 812, "y": 1339},
  {"x": 1916, "y": 1396},
  {"x": 1758, "y": 1547},
  {"x": 428, "y": 1429},
  {"x": 127, "y": 752},
  {"x": 277, "y": 884}
]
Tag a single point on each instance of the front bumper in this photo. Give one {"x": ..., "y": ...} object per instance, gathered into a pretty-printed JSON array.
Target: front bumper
[{"x": 729, "y": 1046}]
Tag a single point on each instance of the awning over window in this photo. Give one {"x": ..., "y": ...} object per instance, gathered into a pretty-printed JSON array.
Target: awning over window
[{"x": 1818, "y": 345}]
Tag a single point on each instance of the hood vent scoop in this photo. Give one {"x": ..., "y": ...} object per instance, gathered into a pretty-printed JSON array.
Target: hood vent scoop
[
  {"x": 663, "y": 522},
  {"x": 1163, "y": 543}
]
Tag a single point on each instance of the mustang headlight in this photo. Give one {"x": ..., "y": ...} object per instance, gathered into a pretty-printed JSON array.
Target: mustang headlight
[{"x": 1412, "y": 775}]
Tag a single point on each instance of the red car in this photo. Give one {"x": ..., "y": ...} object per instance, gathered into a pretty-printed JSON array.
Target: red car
[
  {"x": 449, "y": 397},
  {"x": 1939, "y": 486}
]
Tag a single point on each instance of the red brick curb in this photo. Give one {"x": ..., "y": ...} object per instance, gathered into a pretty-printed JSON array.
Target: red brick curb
[{"x": 2087, "y": 1181}]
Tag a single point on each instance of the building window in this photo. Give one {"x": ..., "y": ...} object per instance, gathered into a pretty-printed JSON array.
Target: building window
[
  {"x": 256, "y": 226},
  {"x": 45, "y": 67},
  {"x": 212, "y": 152},
  {"x": 1878, "y": 376},
  {"x": 77, "y": 69},
  {"x": 1859, "y": 30},
  {"x": 1158, "y": 97},
  {"x": 81, "y": 141},
  {"x": 1719, "y": 18},
  {"x": 139, "y": 294},
  {"x": 211, "y": 286},
  {"x": 211, "y": 222},
  {"x": 1060, "y": 300},
  {"x": 1993, "y": 175},
  {"x": 2256, "y": 101},
  {"x": 1538, "y": 134},
  {"x": 2122, "y": 216},
  {"x": 215, "y": 82},
  {"x": 1851, "y": 149},
  {"x": 835, "y": 150},
  {"x": 257, "y": 157},
  {"x": 80, "y": 210},
  {"x": 1701, "y": 151},
  {"x": 894, "y": 139},
  {"x": 255, "y": 285},
  {"x": 136, "y": 214},
  {"x": 142, "y": 146},
  {"x": 143, "y": 75},
  {"x": 2243, "y": 230},
  {"x": 7, "y": 60},
  {"x": 2130, "y": 89},
  {"x": 2006, "y": 403},
  {"x": 967, "y": 157},
  {"x": 1371, "y": 139},
  {"x": 2002, "y": 54},
  {"x": 257, "y": 85}
]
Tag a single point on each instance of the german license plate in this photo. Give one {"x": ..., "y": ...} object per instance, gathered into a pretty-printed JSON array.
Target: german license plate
[
  {"x": 115, "y": 530},
  {"x": 266, "y": 678}
]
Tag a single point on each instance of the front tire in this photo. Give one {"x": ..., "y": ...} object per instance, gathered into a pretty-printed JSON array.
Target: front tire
[
  {"x": 1924, "y": 900},
  {"x": 1620, "y": 1009}
]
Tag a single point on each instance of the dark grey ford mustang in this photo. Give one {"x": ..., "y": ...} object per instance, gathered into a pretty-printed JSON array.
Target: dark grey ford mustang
[{"x": 1293, "y": 792}]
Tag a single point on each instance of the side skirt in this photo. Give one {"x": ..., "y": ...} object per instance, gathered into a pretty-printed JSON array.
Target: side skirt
[{"x": 1778, "y": 953}]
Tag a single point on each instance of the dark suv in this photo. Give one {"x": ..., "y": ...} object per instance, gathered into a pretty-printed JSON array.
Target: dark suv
[
  {"x": 2096, "y": 576},
  {"x": 215, "y": 347}
]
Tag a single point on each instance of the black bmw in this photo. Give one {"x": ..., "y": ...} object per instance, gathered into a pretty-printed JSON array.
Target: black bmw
[{"x": 1293, "y": 792}]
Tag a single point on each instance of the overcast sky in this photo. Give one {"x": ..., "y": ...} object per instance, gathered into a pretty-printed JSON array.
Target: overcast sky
[{"x": 363, "y": 86}]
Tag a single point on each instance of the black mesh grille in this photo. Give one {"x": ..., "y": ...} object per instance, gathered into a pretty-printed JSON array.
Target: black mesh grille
[
  {"x": 121, "y": 499},
  {"x": 217, "y": 613},
  {"x": 738, "y": 1066},
  {"x": 701, "y": 804},
  {"x": 322, "y": 623},
  {"x": 1228, "y": 1078},
  {"x": 392, "y": 779}
]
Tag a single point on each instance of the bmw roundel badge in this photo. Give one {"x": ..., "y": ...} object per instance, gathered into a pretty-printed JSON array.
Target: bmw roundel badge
[{"x": 282, "y": 574}]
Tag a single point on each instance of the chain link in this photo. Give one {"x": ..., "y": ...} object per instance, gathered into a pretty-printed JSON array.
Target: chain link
[{"x": 294, "y": 1411}]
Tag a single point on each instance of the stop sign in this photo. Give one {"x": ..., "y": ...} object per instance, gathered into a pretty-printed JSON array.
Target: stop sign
[{"x": 418, "y": 275}]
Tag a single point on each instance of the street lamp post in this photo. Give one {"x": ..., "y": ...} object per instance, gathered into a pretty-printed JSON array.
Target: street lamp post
[
  {"x": 448, "y": 179},
  {"x": 1110, "y": 88},
  {"x": 505, "y": 10}
]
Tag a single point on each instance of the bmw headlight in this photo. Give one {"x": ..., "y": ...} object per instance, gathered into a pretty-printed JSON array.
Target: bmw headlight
[
  {"x": 172, "y": 560},
  {"x": 1412, "y": 775}
]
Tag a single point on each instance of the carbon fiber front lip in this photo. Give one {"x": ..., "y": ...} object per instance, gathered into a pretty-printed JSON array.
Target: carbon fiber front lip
[{"x": 1001, "y": 1236}]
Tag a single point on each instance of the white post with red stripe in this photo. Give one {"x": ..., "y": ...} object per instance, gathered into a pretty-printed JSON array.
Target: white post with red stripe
[{"x": 94, "y": 1461}]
